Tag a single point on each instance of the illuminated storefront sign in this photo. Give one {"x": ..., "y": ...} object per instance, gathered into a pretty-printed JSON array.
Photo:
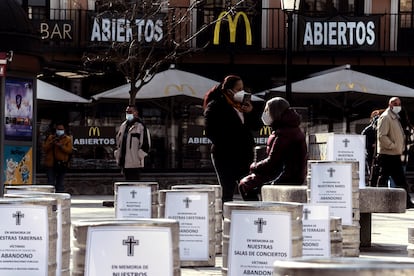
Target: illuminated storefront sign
[
  {"x": 232, "y": 27},
  {"x": 121, "y": 30},
  {"x": 93, "y": 136},
  {"x": 56, "y": 30},
  {"x": 338, "y": 33}
]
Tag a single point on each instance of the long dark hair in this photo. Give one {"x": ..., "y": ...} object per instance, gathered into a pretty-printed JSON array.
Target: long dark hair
[{"x": 228, "y": 83}]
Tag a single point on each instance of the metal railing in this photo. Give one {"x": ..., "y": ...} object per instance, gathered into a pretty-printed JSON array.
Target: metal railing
[{"x": 70, "y": 30}]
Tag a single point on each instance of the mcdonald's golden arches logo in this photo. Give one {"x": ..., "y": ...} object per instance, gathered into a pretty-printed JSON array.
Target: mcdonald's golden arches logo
[
  {"x": 94, "y": 131},
  {"x": 180, "y": 88},
  {"x": 232, "y": 27},
  {"x": 265, "y": 131}
]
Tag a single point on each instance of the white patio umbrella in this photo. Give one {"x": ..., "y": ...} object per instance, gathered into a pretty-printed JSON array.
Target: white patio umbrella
[
  {"x": 344, "y": 79},
  {"x": 345, "y": 89},
  {"x": 49, "y": 92},
  {"x": 171, "y": 82}
]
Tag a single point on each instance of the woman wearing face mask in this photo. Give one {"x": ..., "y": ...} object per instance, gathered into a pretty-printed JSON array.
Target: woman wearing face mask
[
  {"x": 57, "y": 149},
  {"x": 286, "y": 151},
  {"x": 228, "y": 123},
  {"x": 133, "y": 144}
]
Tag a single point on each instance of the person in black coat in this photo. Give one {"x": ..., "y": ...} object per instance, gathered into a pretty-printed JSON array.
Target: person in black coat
[
  {"x": 228, "y": 126},
  {"x": 286, "y": 159}
]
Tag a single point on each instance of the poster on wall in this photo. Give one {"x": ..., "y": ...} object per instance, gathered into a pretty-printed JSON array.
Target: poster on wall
[
  {"x": 18, "y": 165},
  {"x": 18, "y": 109}
]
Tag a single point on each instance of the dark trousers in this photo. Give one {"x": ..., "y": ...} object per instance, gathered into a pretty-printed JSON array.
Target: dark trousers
[
  {"x": 228, "y": 172},
  {"x": 391, "y": 165},
  {"x": 132, "y": 173},
  {"x": 55, "y": 177}
]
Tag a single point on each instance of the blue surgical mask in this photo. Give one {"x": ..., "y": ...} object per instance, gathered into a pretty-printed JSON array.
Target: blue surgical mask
[
  {"x": 60, "y": 132},
  {"x": 129, "y": 117}
]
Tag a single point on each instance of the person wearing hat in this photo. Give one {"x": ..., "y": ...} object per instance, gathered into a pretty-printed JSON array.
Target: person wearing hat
[{"x": 286, "y": 150}]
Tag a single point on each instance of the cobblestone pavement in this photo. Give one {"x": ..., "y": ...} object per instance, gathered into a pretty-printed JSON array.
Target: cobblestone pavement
[{"x": 389, "y": 232}]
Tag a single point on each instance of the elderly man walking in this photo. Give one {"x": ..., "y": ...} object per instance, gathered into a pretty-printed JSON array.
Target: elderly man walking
[{"x": 390, "y": 147}]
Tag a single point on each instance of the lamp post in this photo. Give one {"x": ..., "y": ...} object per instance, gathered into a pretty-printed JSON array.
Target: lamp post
[{"x": 289, "y": 7}]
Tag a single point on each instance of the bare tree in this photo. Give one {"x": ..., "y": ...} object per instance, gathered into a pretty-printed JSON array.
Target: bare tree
[{"x": 143, "y": 35}]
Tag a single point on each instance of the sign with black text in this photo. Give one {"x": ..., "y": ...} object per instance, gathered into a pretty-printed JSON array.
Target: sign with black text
[
  {"x": 24, "y": 240},
  {"x": 316, "y": 231},
  {"x": 331, "y": 184},
  {"x": 133, "y": 202},
  {"x": 257, "y": 239},
  {"x": 128, "y": 250},
  {"x": 191, "y": 210},
  {"x": 347, "y": 148}
]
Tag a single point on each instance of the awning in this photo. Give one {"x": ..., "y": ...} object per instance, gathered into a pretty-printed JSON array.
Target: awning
[{"x": 49, "y": 92}]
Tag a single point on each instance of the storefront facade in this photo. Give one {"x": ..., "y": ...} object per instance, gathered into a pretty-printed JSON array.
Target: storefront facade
[{"x": 250, "y": 42}]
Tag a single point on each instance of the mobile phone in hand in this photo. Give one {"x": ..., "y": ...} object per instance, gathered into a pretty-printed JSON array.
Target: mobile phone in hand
[{"x": 246, "y": 98}]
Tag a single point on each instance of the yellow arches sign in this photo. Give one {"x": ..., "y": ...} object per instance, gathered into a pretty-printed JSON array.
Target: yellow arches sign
[
  {"x": 232, "y": 27},
  {"x": 183, "y": 88}
]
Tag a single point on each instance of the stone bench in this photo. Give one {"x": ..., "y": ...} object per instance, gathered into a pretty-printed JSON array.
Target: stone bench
[
  {"x": 285, "y": 193},
  {"x": 378, "y": 200},
  {"x": 371, "y": 200}
]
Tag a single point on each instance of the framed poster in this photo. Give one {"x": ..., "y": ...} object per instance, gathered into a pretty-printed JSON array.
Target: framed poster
[
  {"x": 18, "y": 165},
  {"x": 18, "y": 109}
]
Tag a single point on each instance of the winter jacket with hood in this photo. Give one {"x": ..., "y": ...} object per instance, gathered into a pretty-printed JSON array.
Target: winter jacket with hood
[{"x": 286, "y": 161}]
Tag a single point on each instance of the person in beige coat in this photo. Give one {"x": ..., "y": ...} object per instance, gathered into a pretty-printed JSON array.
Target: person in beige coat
[
  {"x": 133, "y": 144},
  {"x": 390, "y": 147}
]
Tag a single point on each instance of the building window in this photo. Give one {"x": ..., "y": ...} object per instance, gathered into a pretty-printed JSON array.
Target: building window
[
  {"x": 332, "y": 7},
  {"x": 406, "y": 13}
]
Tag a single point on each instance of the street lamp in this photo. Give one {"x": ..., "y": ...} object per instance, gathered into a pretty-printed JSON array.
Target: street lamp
[{"x": 289, "y": 6}]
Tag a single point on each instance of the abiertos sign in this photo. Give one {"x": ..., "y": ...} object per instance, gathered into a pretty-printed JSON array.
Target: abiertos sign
[{"x": 353, "y": 33}]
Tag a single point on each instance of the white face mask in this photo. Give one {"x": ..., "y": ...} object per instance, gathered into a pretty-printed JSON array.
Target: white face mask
[
  {"x": 241, "y": 96},
  {"x": 129, "y": 117},
  {"x": 60, "y": 132},
  {"x": 396, "y": 109},
  {"x": 266, "y": 119}
]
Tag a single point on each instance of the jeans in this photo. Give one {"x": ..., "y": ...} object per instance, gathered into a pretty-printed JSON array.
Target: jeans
[{"x": 55, "y": 177}]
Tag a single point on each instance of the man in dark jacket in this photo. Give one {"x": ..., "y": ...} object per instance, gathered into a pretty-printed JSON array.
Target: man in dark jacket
[{"x": 286, "y": 161}]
